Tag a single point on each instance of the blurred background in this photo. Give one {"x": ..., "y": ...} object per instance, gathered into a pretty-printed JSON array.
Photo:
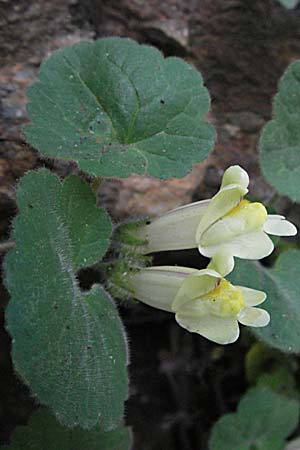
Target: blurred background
[{"x": 180, "y": 383}]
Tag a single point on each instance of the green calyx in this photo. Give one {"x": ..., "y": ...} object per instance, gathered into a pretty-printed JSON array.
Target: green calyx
[
  {"x": 128, "y": 259},
  {"x": 118, "y": 281},
  {"x": 127, "y": 233},
  {"x": 118, "y": 275}
]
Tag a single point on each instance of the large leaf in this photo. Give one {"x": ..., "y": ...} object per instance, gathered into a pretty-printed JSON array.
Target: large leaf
[
  {"x": 281, "y": 284},
  {"x": 68, "y": 345},
  {"x": 118, "y": 108},
  {"x": 43, "y": 432},
  {"x": 280, "y": 140},
  {"x": 263, "y": 420}
]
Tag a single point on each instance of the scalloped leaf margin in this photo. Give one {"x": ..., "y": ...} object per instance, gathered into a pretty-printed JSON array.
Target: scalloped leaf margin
[
  {"x": 280, "y": 141},
  {"x": 264, "y": 420},
  {"x": 118, "y": 108}
]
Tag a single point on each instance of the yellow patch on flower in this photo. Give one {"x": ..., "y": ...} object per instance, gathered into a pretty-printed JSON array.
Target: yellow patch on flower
[
  {"x": 203, "y": 301},
  {"x": 255, "y": 214},
  {"x": 226, "y": 300}
]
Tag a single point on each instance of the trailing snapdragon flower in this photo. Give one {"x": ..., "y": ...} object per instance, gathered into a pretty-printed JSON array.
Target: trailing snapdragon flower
[
  {"x": 227, "y": 222},
  {"x": 203, "y": 301}
]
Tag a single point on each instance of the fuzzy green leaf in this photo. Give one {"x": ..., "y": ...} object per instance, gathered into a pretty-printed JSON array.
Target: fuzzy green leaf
[
  {"x": 68, "y": 345},
  {"x": 280, "y": 140},
  {"x": 281, "y": 284},
  {"x": 43, "y": 432},
  {"x": 118, "y": 108},
  {"x": 263, "y": 420},
  {"x": 89, "y": 227}
]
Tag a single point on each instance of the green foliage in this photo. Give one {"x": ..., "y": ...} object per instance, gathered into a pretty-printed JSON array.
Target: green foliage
[
  {"x": 68, "y": 345},
  {"x": 281, "y": 283},
  {"x": 118, "y": 108},
  {"x": 44, "y": 433},
  {"x": 260, "y": 359},
  {"x": 280, "y": 380},
  {"x": 280, "y": 140},
  {"x": 89, "y": 227},
  {"x": 263, "y": 420},
  {"x": 266, "y": 366}
]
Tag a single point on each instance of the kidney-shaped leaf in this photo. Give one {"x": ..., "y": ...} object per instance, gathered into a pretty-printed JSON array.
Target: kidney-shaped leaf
[
  {"x": 281, "y": 284},
  {"x": 118, "y": 108},
  {"x": 68, "y": 345},
  {"x": 263, "y": 420},
  {"x": 280, "y": 140},
  {"x": 43, "y": 432}
]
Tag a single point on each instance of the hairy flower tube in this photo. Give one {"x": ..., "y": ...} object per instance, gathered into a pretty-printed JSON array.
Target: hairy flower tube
[
  {"x": 203, "y": 301},
  {"x": 226, "y": 222}
]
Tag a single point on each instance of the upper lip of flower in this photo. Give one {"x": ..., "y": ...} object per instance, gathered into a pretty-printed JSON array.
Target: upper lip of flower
[{"x": 221, "y": 204}]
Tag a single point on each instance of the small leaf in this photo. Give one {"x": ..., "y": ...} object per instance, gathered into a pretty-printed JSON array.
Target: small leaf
[
  {"x": 280, "y": 140},
  {"x": 118, "y": 108},
  {"x": 266, "y": 366},
  {"x": 280, "y": 380},
  {"x": 68, "y": 345},
  {"x": 260, "y": 359},
  {"x": 263, "y": 420},
  {"x": 281, "y": 284},
  {"x": 43, "y": 432}
]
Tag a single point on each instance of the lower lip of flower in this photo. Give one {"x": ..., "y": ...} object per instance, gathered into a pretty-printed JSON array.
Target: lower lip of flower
[{"x": 225, "y": 300}]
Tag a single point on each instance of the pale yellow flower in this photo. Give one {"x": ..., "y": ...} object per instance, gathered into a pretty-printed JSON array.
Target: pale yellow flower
[
  {"x": 227, "y": 222},
  {"x": 203, "y": 301}
]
